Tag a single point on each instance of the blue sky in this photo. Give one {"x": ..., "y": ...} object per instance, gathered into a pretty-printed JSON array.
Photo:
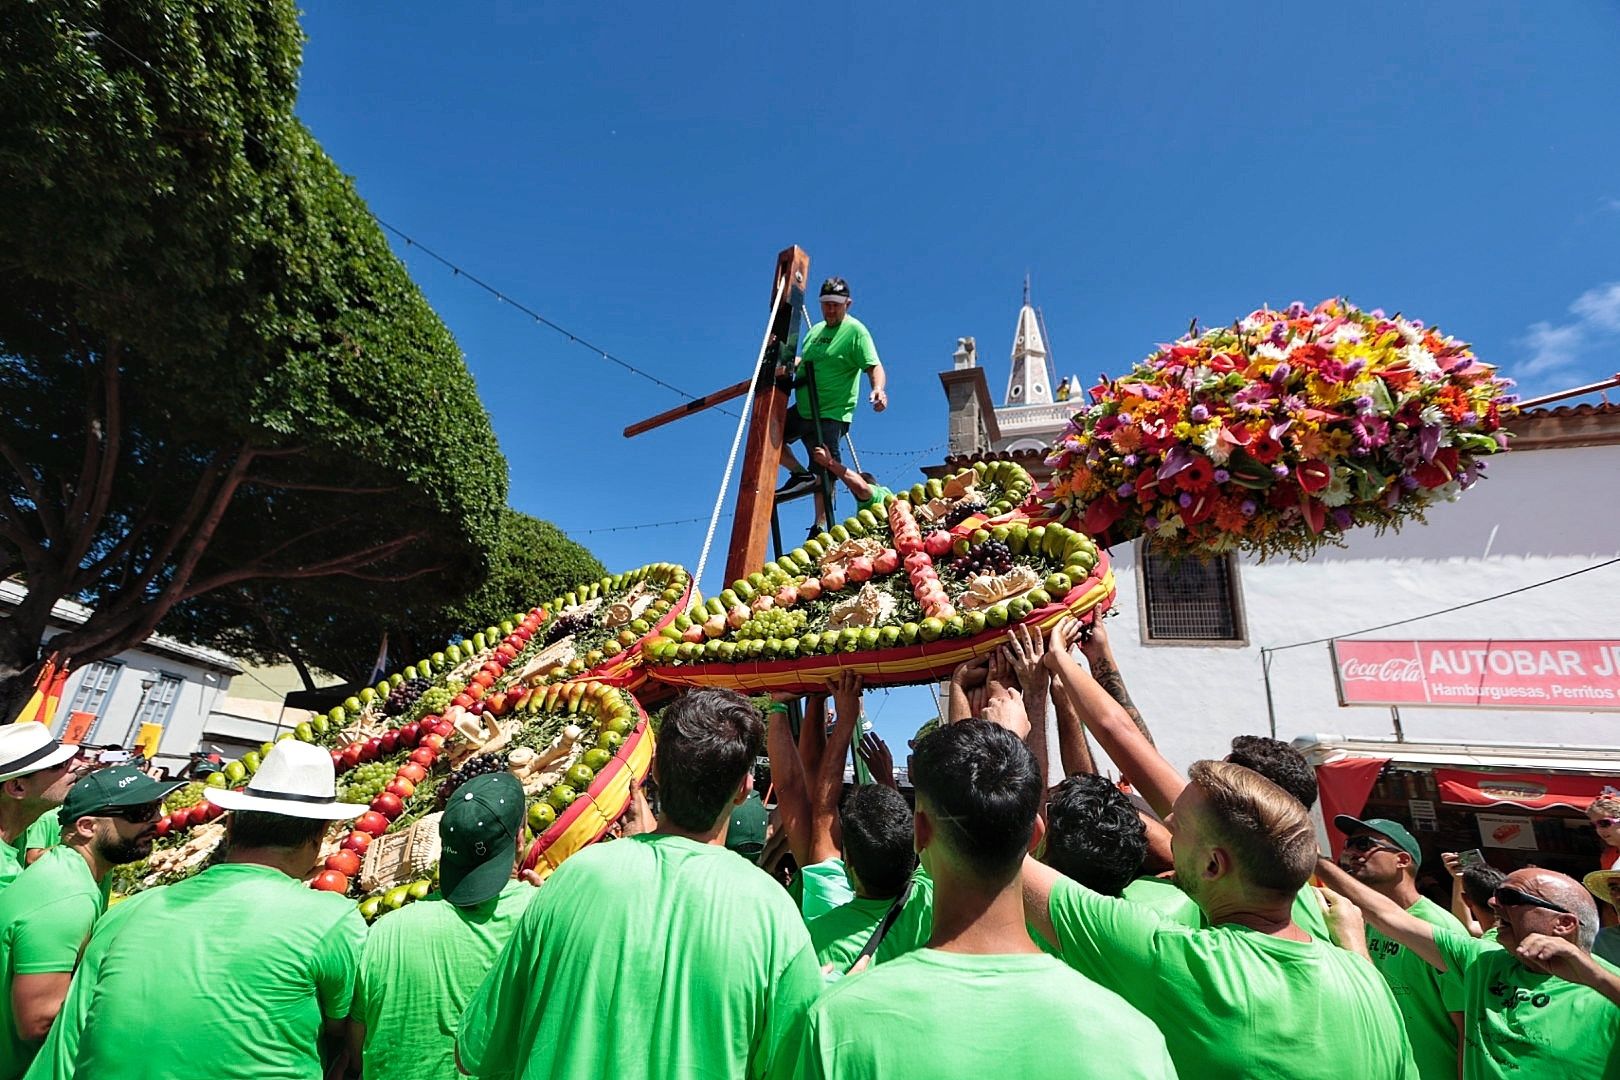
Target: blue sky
[{"x": 631, "y": 171}]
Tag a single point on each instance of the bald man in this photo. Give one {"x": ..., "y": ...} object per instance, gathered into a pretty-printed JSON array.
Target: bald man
[{"x": 1541, "y": 1005}]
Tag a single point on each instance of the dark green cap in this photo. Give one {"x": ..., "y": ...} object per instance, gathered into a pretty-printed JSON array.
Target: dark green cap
[
  {"x": 478, "y": 838},
  {"x": 1393, "y": 831},
  {"x": 111, "y": 789},
  {"x": 746, "y": 833}
]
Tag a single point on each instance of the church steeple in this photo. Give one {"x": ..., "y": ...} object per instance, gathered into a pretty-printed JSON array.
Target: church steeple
[{"x": 1030, "y": 382}]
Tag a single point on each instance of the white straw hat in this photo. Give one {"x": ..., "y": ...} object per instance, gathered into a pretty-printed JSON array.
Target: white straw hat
[
  {"x": 294, "y": 780},
  {"x": 28, "y": 747}
]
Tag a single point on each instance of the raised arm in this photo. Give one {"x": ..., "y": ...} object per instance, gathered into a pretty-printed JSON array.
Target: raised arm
[
  {"x": 828, "y": 781},
  {"x": 967, "y": 690},
  {"x": 1100, "y": 655},
  {"x": 1568, "y": 961},
  {"x": 788, "y": 777},
  {"x": 1025, "y": 648},
  {"x": 1460, "y": 910},
  {"x": 1074, "y": 749},
  {"x": 1116, "y": 732},
  {"x": 1386, "y": 915}
]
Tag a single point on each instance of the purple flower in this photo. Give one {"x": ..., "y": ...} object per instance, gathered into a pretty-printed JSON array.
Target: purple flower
[
  {"x": 1364, "y": 404},
  {"x": 1293, "y": 403},
  {"x": 1125, "y": 490},
  {"x": 1222, "y": 476},
  {"x": 1184, "y": 500},
  {"x": 1248, "y": 507},
  {"x": 1343, "y": 518},
  {"x": 1199, "y": 414},
  {"x": 1409, "y": 482},
  {"x": 1280, "y": 471},
  {"x": 1151, "y": 523},
  {"x": 1469, "y": 418},
  {"x": 1297, "y": 310},
  {"x": 1254, "y": 398},
  {"x": 1130, "y": 459},
  {"x": 1280, "y": 375}
]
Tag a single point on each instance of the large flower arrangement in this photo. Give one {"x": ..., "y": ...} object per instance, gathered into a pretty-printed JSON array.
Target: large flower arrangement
[{"x": 1281, "y": 432}]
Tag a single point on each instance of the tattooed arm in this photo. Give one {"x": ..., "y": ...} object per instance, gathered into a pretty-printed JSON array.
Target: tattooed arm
[{"x": 1106, "y": 672}]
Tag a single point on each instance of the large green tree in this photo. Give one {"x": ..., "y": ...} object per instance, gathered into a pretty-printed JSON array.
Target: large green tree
[
  {"x": 214, "y": 373},
  {"x": 337, "y": 631}
]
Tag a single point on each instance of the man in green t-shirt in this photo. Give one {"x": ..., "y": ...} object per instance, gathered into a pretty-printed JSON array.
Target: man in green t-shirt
[
  {"x": 423, "y": 962},
  {"x": 235, "y": 973},
  {"x": 869, "y": 494},
  {"x": 1384, "y": 856},
  {"x": 961, "y": 1008},
  {"x": 660, "y": 955},
  {"x": 1540, "y": 1005},
  {"x": 110, "y": 819},
  {"x": 831, "y": 359},
  {"x": 36, "y": 771},
  {"x": 878, "y": 857}
]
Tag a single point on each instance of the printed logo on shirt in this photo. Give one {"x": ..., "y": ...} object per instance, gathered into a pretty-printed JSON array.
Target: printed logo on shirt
[
  {"x": 1511, "y": 997},
  {"x": 1383, "y": 947}
]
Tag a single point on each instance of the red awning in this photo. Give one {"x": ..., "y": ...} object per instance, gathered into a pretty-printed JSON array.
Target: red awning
[
  {"x": 1531, "y": 791},
  {"x": 1342, "y": 788}
]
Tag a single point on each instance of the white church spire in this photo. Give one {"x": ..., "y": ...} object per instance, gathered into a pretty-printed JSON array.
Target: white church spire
[{"x": 1030, "y": 382}]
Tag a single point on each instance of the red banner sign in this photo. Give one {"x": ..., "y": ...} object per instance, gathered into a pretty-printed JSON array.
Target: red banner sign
[{"x": 1580, "y": 675}]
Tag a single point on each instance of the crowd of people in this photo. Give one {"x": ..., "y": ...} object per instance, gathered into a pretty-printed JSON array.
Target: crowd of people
[{"x": 1186, "y": 925}]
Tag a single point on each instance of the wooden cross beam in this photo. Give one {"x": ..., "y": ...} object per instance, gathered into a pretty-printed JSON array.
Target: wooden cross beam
[{"x": 756, "y": 496}]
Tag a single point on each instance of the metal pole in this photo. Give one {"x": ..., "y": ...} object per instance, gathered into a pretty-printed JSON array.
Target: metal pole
[
  {"x": 1395, "y": 715},
  {"x": 1271, "y": 706}
]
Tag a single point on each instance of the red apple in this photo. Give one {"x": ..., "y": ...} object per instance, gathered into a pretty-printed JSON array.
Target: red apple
[
  {"x": 496, "y": 704},
  {"x": 357, "y": 842},
  {"x": 390, "y": 742},
  {"x": 371, "y": 750},
  {"x": 505, "y": 650},
  {"x": 388, "y": 805},
  {"x": 444, "y": 727},
  {"x": 371, "y": 822},
  {"x": 461, "y": 699},
  {"x": 434, "y": 742},
  {"x": 401, "y": 787},
  {"x": 351, "y": 755},
  {"x": 424, "y": 756},
  {"x": 330, "y": 881},
  {"x": 476, "y": 693},
  {"x": 482, "y": 680},
  {"x": 413, "y": 772},
  {"x": 337, "y": 761},
  {"x": 164, "y": 824},
  {"x": 343, "y": 862}
]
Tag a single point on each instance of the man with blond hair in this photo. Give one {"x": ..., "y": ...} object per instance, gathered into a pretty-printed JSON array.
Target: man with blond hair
[{"x": 1249, "y": 993}]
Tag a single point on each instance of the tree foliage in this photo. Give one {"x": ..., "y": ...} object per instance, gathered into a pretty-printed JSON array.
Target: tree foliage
[{"x": 216, "y": 374}]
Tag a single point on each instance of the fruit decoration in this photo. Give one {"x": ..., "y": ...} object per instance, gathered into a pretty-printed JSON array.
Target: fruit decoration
[{"x": 1280, "y": 433}]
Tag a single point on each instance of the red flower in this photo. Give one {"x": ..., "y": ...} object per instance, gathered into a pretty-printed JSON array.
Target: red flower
[
  {"x": 1439, "y": 472},
  {"x": 1101, "y": 514},
  {"x": 1147, "y": 487},
  {"x": 1265, "y": 449},
  {"x": 1313, "y": 476},
  {"x": 1202, "y": 508},
  {"x": 1197, "y": 476},
  {"x": 1315, "y": 514},
  {"x": 1223, "y": 362},
  {"x": 1282, "y": 494}
]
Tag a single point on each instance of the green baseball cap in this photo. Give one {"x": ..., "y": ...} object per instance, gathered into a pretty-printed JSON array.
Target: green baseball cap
[
  {"x": 746, "y": 833},
  {"x": 112, "y": 789},
  {"x": 1393, "y": 831},
  {"x": 478, "y": 838}
]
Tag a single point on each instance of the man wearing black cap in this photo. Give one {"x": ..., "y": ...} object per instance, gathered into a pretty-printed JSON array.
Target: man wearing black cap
[
  {"x": 423, "y": 962},
  {"x": 1384, "y": 856},
  {"x": 109, "y": 818},
  {"x": 834, "y": 354},
  {"x": 36, "y": 771}
]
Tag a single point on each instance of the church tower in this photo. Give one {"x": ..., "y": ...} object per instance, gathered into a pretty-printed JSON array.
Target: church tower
[{"x": 1030, "y": 381}]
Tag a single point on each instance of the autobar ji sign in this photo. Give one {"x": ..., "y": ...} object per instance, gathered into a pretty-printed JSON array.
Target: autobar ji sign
[{"x": 1580, "y": 675}]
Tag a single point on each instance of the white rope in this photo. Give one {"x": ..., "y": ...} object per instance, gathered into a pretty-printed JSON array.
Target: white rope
[{"x": 736, "y": 443}]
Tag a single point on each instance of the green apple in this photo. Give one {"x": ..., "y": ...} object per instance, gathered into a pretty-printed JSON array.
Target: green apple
[
  {"x": 973, "y": 622},
  {"x": 955, "y": 626},
  {"x": 930, "y": 629},
  {"x": 810, "y": 642},
  {"x": 909, "y": 632},
  {"x": 869, "y": 638},
  {"x": 1038, "y": 597},
  {"x": 1058, "y": 584},
  {"x": 888, "y": 635},
  {"x": 979, "y": 536},
  {"x": 1019, "y": 608}
]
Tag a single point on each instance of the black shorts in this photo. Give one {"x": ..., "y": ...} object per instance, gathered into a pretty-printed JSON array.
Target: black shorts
[{"x": 802, "y": 430}]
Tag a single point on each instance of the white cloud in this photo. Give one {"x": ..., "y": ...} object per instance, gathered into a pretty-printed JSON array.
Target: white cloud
[
  {"x": 1556, "y": 347},
  {"x": 1609, "y": 203}
]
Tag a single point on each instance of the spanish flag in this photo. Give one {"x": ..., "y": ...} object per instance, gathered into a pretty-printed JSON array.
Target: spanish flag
[{"x": 47, "y": 692}]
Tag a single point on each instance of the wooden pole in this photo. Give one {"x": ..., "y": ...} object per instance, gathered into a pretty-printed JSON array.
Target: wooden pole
[
  {"x": 696, "y": 405},
  {"x": 756, "y": 498}
]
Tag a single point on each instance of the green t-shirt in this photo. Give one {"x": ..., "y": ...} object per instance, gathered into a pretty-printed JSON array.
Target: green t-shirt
[
  {"x": 1517, "y": 1023},
  {"x": 648, "y": 956},
  {"x": 1165, "y": 897},
  {"x": 874, "y": 500},
  {"x": 228, "y": 975},
  {"x": 421, "y": 966},
  {"x": 45, "y": 832},
  {"x": 837, "y": 355},
  {"x": 44, "y": 918},
  {"x": 1425, "y": 996},
  {"x": 822, "y": 887},
  {"x": 839, "y": 935},
  {"x": 935, "y": 1015},
  {"x": 1235, "y": 1002}
]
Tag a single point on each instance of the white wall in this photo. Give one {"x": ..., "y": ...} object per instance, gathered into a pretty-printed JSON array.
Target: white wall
[
  {"x": 200, "y": 689},
  {"x": 1541, "y": 513}
]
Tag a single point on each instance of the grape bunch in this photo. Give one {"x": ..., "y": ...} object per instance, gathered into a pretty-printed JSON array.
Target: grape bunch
[
  {"x": 991, "y": 557},
  {"x": 404, "y": 696},
  {"x": 773, "y": 623},
  {"x": 365, "y": 782},
  {"x": 962, "y": 511},
  {"x": 563, "y": 625},
  {"x": 478, "y": 766},
  {"x": 434, "y": 700},
  {"x": 182, "y": 798}
]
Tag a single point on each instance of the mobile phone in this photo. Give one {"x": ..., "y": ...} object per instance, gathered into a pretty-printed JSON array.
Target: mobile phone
[{"x": 1471, "y": 857}]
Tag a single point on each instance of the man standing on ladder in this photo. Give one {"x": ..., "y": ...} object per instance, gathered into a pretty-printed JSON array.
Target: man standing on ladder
[{"x": 829, "y": 367}]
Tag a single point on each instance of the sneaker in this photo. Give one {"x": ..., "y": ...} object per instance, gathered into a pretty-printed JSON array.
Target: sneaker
[{"x": 799, "y": 483}]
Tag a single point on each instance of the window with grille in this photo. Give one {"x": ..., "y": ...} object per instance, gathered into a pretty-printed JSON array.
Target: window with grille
[
  {"x": 95, "y": 687},
  {"x": 158, "y": 705},
  {"x": 1187, "y": 599}
]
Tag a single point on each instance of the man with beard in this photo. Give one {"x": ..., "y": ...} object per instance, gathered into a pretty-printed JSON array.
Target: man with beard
[
  {"x": 1383, "y": 856},
  {"x": 1541, "y": 1004},
  {"x": 36, "y": 771},
  {"x": 108, "y": 819}
]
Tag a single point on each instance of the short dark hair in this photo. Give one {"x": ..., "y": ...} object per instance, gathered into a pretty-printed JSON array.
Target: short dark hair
[
  {"x": 1094, "y": 835},
  {"x": 877, "y": 838},
  {"x": 985, "y": 788},
  {"x": 706, "y": 745},
  {"x": 261, "y": 828},
  {"x": 1278, "y": 762},
  {"x": 1479, "y": 882}
]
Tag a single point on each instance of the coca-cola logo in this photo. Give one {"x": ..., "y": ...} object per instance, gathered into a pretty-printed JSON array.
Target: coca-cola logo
[{"x": 1392, "y": 670}]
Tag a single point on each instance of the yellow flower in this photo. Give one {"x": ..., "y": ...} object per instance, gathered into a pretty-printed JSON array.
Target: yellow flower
[{"x": 1338, "y": 443}]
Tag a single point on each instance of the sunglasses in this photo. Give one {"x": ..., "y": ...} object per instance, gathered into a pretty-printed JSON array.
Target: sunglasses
[
  {"x": 1368, "y": 844},
  {"x": 1605, "y": 822},
  {"x": 135, "y": 815},
  {"x": 1508, "y": 896}
]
